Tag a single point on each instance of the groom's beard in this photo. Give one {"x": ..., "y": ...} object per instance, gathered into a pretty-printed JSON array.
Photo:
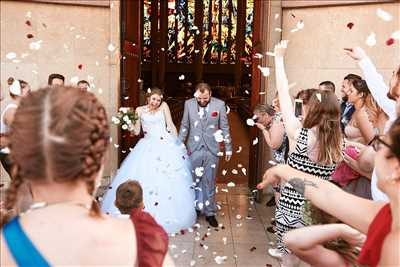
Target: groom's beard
[{"x": 203, "y": 105}]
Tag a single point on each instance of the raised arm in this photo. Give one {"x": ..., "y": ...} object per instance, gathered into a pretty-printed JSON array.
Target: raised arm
[
  {"x": 375, "y": 82},
  {"x": 282, "y": 85},
  {"x": 352, "y": 210},
  {"x": 168, "y": 119},
  {"x": 224, "y": 126},
  {"x": 185, "y": 123}
]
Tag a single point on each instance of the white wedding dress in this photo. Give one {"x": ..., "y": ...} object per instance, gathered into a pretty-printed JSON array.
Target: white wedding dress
[{"x": 159, "y": 162}]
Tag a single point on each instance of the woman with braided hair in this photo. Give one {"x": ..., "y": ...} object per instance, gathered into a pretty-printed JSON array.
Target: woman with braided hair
[{"x": 58, "y": 141}]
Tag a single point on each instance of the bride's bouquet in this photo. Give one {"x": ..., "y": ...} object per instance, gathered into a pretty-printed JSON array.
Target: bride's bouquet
[{"x": 126, "y": 117}]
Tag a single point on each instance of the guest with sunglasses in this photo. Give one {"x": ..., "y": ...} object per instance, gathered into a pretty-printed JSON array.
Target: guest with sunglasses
[{"x": 378, "y": 220}]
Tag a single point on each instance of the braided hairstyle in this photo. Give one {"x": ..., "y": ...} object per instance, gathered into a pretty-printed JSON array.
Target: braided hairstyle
[{"x": 59, "y": 134}]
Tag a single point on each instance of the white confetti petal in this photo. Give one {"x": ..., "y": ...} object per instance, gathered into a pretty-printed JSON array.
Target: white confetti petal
[
  {"x": 319, "y": 97},
  {"x": 192, "y": 263},
  {"x": 234, "y": 171},
  {"x": 220, "y": 154},
  {"x": 196, "y": 138},
  {"x": 371, "y": 40},
  {"x": 28, "y": 14},
  {"x": 386, "y": 16},
  {"x": 258, "y": 55},
  {"x": 239, "y": 149},
  {"x": 111, "y": 47},
  {"x": 181, "y": 77},
  {"x": 213, "y": 166},
  {"x": 231, "y": 184},
  {"x": 74, "y": 80},
  {"x": 273, "y": 163},
  {"x": 224, "y": 172},
  {"x": 200, "y": 206},
  {"x": 224, "y": 190},
  {"x": 100, "y": 91},
  {"x": 220, "y": 259},
  {"x": 255, "y": 141},
  {"x": 218, "y": 135},
  {"x": 228, "y": 109},
  {"x": 199, "y": 171},
  {"x": 294, "y": 30},
  {"x": 11, "y": 55},
  {"x": 247, "y": 92},
  {"x": 196, "y": 123},
  {"x": 278, "y": 29},
  {"x": 300, "y": 25},
  {"x": 35, "y": 45},
  {"x": 276, "y": 15},
  {"x": 250, "y": 122},
  {"x": 244, "y": 171},
  {"x": 116, "y": 145},
  {"x": 224, "y": 239},
  {"x": 238, "y": 216},
  {"x": 264, "y": 70},
  {"x": 396, "y": 35}
]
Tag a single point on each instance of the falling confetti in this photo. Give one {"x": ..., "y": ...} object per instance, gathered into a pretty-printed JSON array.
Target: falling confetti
[
  {"x": 278, "y": 29},
  {"x": 116, "y": 145},
  {"x": 273, "y": 163},
  {"x": 234, "y": 171},
  {"x": 247, "y": 92},
  {"x": 225, "y": 240},
  {"x": 28, "y": 14},
  {"x": 220, "y": 259},
  {"x": 28, "y": 22},
  {"x": 228, "y": 109},
  {"x": 258, "y": 55},
  {"x": 35, "y": 45},
  {"x": 181, "y": 77},
  {"x": 350, "y": 25},
  {"x": 250, "y": 122},
  {"x": 389, "y": 41},
  {"x": 382, "y": 14},
  {"x": 255, "y": 141},
  {"x": 199, "y": 171},
  {"x": 29, "y": 36},
  {"x": 300, "y": 25},
  {"x": 396, "y": 35},
  {"x": 239, "y": 149},
  {"x": 244, "y": 171},
  {"x": 264, "y": 70},
  {"x": 111, "y": 47},
  {"x": 11, "y": 55},
  {"x": 213, "y": 166},
  {"x": 224, "y": 172},
  {"x": 219, "y": 136},
  {"x": 276, "y": 15},
  {"x": 80, "y": 66},
  {"x": 196, "y": 138},
  {"x": 231, "y": 184},
  {"x": 252, "y": 249},
  {"x": 192, "y": 263},
  {"x": 371, "y": 40},
  {"x": 74, "y": 80}
]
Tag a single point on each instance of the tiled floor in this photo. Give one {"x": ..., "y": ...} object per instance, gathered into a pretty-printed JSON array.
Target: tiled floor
[{"x": 242, "y": 241}]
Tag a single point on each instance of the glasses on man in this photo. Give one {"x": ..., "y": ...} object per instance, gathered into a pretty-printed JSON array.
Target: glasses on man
[{"x": 377, "y": 143}]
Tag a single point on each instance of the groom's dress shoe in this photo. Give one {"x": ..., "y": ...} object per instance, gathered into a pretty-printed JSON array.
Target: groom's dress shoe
[{"x": 212, "y": 221}]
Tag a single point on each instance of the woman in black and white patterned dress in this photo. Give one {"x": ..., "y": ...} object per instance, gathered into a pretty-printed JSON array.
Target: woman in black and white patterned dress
[{"x": 318, "y": 146}]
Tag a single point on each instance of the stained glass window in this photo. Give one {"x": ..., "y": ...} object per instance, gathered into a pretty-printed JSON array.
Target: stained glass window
[
  {"x": 146, "y": 30},
  {"x": 248, "y": 41},
  {"x": 219, "y": 31}
]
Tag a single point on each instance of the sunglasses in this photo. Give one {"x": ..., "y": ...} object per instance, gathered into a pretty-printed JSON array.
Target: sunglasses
[{"x": 377, "y": 143}]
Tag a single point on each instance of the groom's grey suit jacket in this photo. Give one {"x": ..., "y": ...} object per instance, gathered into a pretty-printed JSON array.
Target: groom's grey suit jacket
[{"x": 194, "y": 127}]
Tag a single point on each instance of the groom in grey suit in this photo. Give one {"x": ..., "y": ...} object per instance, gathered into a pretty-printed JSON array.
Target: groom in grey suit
[{"x": 205, "y": 126}]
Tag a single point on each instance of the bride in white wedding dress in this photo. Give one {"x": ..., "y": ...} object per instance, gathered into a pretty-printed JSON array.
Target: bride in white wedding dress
[{"x": 159, "y": 162}]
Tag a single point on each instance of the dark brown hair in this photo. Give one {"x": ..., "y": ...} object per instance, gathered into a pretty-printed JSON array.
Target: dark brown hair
[
  {"x": 329, "y": 85},
  {"x": 55, "y": 76},
  {"x": 65, "y": 134},
  {"x": 324, "y": 115},
  {"x": 129, "y": 196},
  {"x": 394, "y": 135},
  {"x": 262, "y": 108},
  {"x": 202, "y": 87}
]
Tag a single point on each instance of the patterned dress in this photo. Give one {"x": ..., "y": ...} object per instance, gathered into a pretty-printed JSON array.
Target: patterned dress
[{"x": 289, "y": 213}]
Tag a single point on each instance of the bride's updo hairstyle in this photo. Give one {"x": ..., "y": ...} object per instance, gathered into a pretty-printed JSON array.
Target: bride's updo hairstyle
[
  {"x": 155, "y": 91},
  {"x": 59, "y": 134}
]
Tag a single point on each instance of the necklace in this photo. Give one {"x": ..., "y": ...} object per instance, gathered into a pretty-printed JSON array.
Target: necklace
[{"x": 40, "y": 205}]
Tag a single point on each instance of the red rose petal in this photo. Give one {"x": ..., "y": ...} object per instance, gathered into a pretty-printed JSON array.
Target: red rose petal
[
  {"x": 29, "y": 36},
  {"x": 28, "y": 22},
  {"x": 350, "y": 25},
  {"x": 182, "y": 232},
  {"x": 80, "y": 66},
  {"x": 252, "y": 249},
  {"x": 44, "y": 25},
  {"x": 390, "y": 41},
  {"x": 293, "y": 15}
]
